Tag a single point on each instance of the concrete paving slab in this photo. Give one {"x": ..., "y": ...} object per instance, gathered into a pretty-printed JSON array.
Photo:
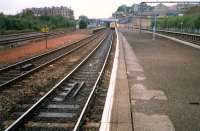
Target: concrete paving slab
[{"x": 144, "y": 122}]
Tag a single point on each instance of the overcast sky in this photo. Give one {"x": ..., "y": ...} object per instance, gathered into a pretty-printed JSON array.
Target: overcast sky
[{"x": 90, "y": 8}]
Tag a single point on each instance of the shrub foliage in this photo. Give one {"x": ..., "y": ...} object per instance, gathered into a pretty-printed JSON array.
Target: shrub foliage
[
  {"x": 27, "y": 21},
  {"x": 187, "y": 22}
]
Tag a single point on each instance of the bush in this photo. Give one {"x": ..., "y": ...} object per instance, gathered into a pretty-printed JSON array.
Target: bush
[
  {"x": 191, "y": 22},
  {"x": 27, "y": 21}
]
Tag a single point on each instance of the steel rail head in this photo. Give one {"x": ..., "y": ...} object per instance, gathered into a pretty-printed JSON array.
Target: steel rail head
[
  {"x": 16, "y": 124},
  {"x": 83, "y": 112}
]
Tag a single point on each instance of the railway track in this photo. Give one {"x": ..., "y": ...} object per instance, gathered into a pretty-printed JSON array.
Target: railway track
[
  {"x": 11, "y": 40},
  {"x": 12, "y": 73},
  {"x": 65, "y": 106},
  {"x": 193, "y": 38},
  {"x": 17, "y": 34},
  {"x": 94, "y": 115},
  {"x": 5, "y": 41}
]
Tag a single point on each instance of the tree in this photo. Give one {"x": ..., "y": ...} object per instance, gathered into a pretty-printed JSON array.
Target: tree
[
  {"x": 2, "y": 21},
  {"x": 122, "y": 8},
  {"x": 82, "y": 24},
  {"x": 27, "y": 21},
  {"x": 27, "y": 14}
]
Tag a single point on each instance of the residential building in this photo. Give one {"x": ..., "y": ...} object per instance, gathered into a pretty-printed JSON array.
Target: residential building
[
  {"x": 52, "y": 11},
  {"x": 184, "y": 7},
  {"x": 161, "y": 10}
]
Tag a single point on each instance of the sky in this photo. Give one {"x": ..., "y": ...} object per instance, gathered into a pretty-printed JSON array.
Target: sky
[{"x": 90, "y": 8}]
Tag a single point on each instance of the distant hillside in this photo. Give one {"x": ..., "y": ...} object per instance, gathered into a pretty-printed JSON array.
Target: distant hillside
[{"x": 193, "y": 10}]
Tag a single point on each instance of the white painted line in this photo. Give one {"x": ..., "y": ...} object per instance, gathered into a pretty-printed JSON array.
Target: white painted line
[
  {"x": 106, "y": 117},
  {"x": 177, "y": 40}
]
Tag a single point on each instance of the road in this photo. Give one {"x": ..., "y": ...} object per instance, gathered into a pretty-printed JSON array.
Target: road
[{"x": 170, "y": 83}]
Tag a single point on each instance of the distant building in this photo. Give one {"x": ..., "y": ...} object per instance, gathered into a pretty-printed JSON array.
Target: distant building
[
  {"x": 184, "y": 7},
  {"x": 123, "y": 11},
  {"x": 52, "y": 11},
  {"x": 118, "y": 14},
  {"x": 145, "y": 8},
  {"x": 161, "y": 10},
  {"x": 135, "y": 8},
  {"x": 142, "y": 9}
]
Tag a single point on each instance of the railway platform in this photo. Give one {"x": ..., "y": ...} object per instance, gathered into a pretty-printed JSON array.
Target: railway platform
[
  {"x": 150, "y": 92},
  {"x": 120, "y": 119}
]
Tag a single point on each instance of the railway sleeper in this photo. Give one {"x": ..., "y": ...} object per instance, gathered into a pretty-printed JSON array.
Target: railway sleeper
[
  {"x": 60, "y": 108},
  {"x": 2, "y": 81},
  {"x": 78, "y": 89},
  {"x": 54, "y": 116},
  {"x": 23, "y": 107},
  {"x": 69, "y": 92},
  {"x": 62, "y": 94},
  {"x": 82, "y": 75},
  {"x": 91, "y": 126},
  {"x": 10, "y": 74},
  {"x": 46, "y": 126}
]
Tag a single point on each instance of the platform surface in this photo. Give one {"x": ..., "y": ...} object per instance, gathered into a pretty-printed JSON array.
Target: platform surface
[{"x": 157, "y": 85}]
